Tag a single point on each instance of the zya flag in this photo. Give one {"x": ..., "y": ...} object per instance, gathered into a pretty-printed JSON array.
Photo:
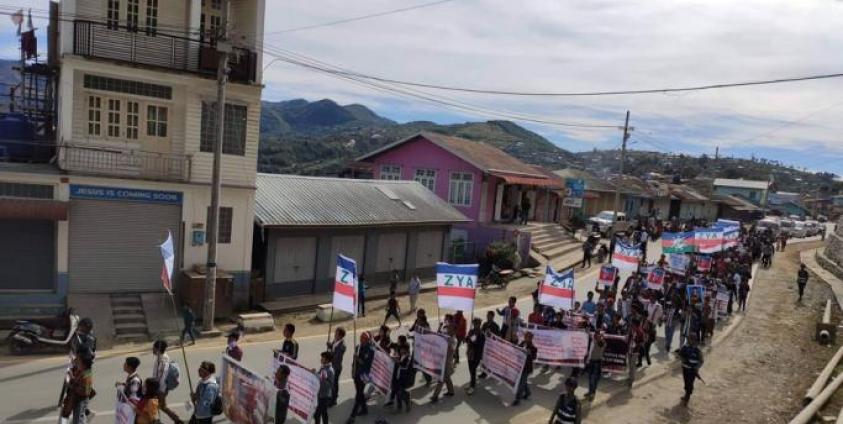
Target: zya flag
[
  {"x": 655, "y": 279},
  {"x": 730, "y": 237},
  {"x": 708, "y": 240},
  {"x": 704, "y": 263},
  {"x": 677, "y": 263},
  {"x": 169, "y": 260},
  {"x": 678, "y": 242},
  {"x": 456, "y": 286},
  {"x": 607, "y": 275},
  {"x": 345, "y": 285},
  {"x": 557, "y": 289},
  {"x": 626, "y": 257}
]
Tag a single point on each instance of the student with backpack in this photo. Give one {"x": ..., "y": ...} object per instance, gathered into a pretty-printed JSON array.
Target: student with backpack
[
  {"x": 290, "y": 346},
  {"x": 206, "y": 398},
  {"x": 166, "y": 373},
  {"x": 132, "y": 385}
]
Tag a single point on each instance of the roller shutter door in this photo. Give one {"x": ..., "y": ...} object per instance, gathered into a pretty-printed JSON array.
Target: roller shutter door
[
  {"x": 27, "y": 254},
  {"x": 114, "y": 245},
  {"x": 295, "y": 259},
  {"x": 429, "y": 249},
  {"x": 350, "y": 246},
  {"x": 391, "y": 250}
]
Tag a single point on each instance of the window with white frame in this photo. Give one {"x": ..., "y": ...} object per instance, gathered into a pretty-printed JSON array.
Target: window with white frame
[
  {"x": 427, "y": 178},
  {"x": 234, "y": 130},
  {"x": 94, "y": 114},
  {"x": 113, "y": 127},
  {"x": 132, "y": 120},
  {"x": 151, "y": 17},
  {"x": 156, "y": 121},
  {"x": 390, "y": 172},
  {"x": 132, "y": 14},
  {"x": 113, "y": 14},
  {"x": 461, "y": 186}
]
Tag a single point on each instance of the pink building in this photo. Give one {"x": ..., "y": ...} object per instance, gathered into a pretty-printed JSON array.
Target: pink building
[{"x": 483, "y": 182}]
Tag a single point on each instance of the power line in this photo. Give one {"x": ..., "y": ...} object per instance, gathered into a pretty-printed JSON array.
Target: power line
[{"x": 358, "y": 18}]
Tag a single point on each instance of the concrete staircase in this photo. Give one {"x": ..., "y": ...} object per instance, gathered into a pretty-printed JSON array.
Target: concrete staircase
[
  {"x": 129, "y": 318},
  {"x": 552, "y": 242}
]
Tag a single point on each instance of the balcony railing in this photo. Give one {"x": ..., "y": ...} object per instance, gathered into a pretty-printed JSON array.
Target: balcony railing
[
  {"x": 125, "y": 164},
  {"x": 141, "y": 47}
]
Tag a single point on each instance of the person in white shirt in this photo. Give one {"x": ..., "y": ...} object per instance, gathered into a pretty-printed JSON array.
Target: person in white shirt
[
  {"x": 159, "y": 372},
  {"x": 413, "y": 291}
]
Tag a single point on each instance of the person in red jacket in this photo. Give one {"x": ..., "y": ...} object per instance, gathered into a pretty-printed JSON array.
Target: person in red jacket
[
  {"x": 536, "y": 317},
  {"x": 461, "y": 331}
]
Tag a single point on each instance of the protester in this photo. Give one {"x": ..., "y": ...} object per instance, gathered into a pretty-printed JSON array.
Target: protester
[
  {"x": 146, "y": 408},
  {"x": 413, "y": 291},
  {"x": 449, "y": 331},
  {"x": 692, "y": 360},
  {"x": 206, "y": 394},
  {"x": 361, "y": 296},
  {"x": 132, "y": 385},
  {"x": 587, "y": 249},
  {"x": 589, "y": 307},
  {"x": 189, "y": 319},
  {"x": 595, "y": 364},
  {"x": 361, "y": 366},
  {"x": 337, "y": 349},
  {"x": 80, "y": 389},
  {"x": 326, "y": 388},
  {"x": 382, "y": 339},
  {"x": 743, "y": 294},
  {"x": 510, "y": 315},
  {"x": 393, "y": 283},
  {"x": 421, "y": 324},
  {"x": 461, "y": 328},
  {"x": 83, "y": 343},
  {"x": 568, "y": 409},
  {"x": 392, "y": 310},
  {"x": 537, "y": 316},
  {"x": 523, "y": 390},
  {"x": 232, "y": 349},
  {"x": 282, "y": 394},
  {"x": 404, "y": 378},
  {"x": 802, "y": 280},
  {"x": 164, "y": 371},
  {"x": 290, "y": 347},
  {"x": 475, "y": 342}
]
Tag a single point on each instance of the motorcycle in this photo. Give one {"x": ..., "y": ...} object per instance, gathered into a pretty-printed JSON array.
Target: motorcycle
[
  {"x": 498, "y": 277},
  {"x": 28, "y": 336}
]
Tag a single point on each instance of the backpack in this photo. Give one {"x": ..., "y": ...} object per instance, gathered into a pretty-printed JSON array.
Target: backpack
[
  {"x": 216, "y": 405},
  {"x": 171, "y": 380}
]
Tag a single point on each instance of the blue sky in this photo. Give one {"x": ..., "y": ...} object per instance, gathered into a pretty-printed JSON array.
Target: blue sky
[{"x": 551, "y": 45}]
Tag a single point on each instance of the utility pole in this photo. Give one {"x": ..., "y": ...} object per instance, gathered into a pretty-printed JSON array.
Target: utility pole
[
  {"x": 223, "y": 51},
  {"x": 617, "y": 186}
]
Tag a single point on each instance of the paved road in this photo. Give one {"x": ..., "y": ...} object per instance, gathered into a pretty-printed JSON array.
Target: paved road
[{"x": 30, "y": 389}]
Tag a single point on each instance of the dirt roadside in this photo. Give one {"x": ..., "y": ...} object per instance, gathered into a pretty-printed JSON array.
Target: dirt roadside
[{"x": 758, "y": 375}]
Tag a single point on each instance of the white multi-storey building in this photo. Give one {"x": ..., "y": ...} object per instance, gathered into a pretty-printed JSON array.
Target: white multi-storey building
[{"x": 136, "y": 118}]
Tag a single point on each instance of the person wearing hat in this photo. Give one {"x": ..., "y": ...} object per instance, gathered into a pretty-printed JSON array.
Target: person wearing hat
[
  {"x": 692, "y": 360},
  {"x": 568, "y": 409},
  {"x": 361, "y": 366}
]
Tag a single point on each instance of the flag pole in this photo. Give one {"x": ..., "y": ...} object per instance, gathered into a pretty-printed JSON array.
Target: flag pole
[
  {"x": 183, "y": 352},
  {"x": 331, "y": 323},
  {"x": 168, "y": 286}
]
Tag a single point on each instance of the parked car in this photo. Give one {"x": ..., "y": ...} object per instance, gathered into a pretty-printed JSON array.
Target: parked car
[
  {"x": 822, "y": 218},
  {"x": 814, "y": 228},
  {"x": 786, "y": 226},
  {"x": 603, "y": 221},
  {"x": 800, "y": 230},
  {"x": 768, "y": 223}
]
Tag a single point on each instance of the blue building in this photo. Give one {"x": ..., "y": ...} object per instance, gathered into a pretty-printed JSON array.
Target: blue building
[{"x": 756, "y": 192}]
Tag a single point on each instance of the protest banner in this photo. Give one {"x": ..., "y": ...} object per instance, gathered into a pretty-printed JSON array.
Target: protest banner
[
  {"x": 615, "y": 355},
  {"x": 381, "y": 372},
  {"x": 655, "y": 279},
  {"x": 503, "y": 361},
  {"x": 646, "y": 269},
  {"x": 697, "y": 289},
  {"x": 456, "y": 286},
  {"x": 556, "y": 346},
  {"x": 345, "y": 285},
  {"x": 124, "y": 413},
  {"x": 430, "y": 351},
  {"x": 575, "y": 320},
  {"x": 703, "y": 263},
  {"x": 557, "y": 289},
  {"x": 708, "y": 240},
  {"x": 677, "y": 263},
  {"x": 607, "y": 275},
  {"x": 678, "y": 242},
  {"x": 246, "y": 395},
  {"x": 303, "y": 386},
  {"x": 626, "y": 257},
  {"x": 722, "y": 302}
]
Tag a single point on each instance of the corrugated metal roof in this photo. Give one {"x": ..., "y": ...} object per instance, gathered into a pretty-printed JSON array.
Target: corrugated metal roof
[
  {"x": 592, "y": 182},
  {"x": 725, "y": 182},
  {"x": 295, "y": 200}
]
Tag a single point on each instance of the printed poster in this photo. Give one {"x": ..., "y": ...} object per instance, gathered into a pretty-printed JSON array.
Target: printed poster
[
  {"x": 615, "y": 355},
  {"x": 303, "y": 386},
  {"x": 722, "y": 302},
  {"x": 381, "y": 373},
  {"x": 503, "y": 361},
  {"x": 557, "y": 346},
  {"x": 246, "y": 396},
  {"x": 430, "y": 352},
  {"x": 123, "y": 411}
]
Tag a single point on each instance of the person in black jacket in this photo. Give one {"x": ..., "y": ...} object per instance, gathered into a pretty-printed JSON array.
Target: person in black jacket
[
  {"x": 692, "y": 360},
  {"x": 523, "y": 390},
  {"x": 361, "y": 366},
  {"x": 568, "y": 409},
  {"x": 290, "y": 346},
  {"x": 282, "y": 394},
  {"x": 802, "y": 280},
  {"x": 337, "y": 348},
  {"x": 474, "y": 343},
  {"x": 404, "y": 378}
]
